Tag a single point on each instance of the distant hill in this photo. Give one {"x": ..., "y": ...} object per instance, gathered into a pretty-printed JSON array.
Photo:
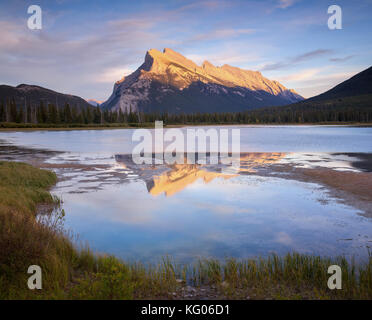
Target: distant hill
[
  {"x": 350, "y": 101},
  {"x": 354, "y": 93},
  {"x": 360, "y": 84},
  {"x": 35, "y": 94},
  {"x": 169, "y": 82},
  {"x": 94, "y": 102}
]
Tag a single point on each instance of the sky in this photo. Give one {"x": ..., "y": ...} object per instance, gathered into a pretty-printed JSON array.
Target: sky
[{"x": 85, "y": 46}]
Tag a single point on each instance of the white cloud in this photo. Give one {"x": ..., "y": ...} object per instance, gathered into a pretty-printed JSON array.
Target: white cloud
[
  {"x": 301, "y": 75},
  {"x": 283, "y": 4},
  {"x": 111, "y": 75},
  {"x": 221, "y": 34},
  {"x": 284, "y": 238},
  {"x": 78, "y": 64},
  {"x": 229, "y": 56},
  {"x": 313, "y": 81}
]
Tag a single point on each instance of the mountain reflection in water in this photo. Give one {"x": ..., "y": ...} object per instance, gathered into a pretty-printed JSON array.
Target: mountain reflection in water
[{"x": 170, "y": 179}]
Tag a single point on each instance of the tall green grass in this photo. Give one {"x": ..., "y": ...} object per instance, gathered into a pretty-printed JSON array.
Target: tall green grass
[
  {"x": 24, "y": 240},
  {"x": 77, "y": 273}
]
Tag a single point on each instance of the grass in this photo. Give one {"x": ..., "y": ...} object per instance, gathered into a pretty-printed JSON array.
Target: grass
[{"x": 77, "y": 273}]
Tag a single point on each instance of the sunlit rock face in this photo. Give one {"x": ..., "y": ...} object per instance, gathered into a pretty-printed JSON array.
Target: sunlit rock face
[{"x": 168, "y": 81}]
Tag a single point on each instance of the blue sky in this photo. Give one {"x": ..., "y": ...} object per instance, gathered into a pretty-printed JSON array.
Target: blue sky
[{"x": 85, "y": 46}]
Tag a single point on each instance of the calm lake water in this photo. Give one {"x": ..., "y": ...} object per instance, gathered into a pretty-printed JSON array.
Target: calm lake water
[{"x": 144, "y": 212}]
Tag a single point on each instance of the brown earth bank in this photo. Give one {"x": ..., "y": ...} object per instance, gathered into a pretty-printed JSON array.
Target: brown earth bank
[{"x": 356, "y": 183}]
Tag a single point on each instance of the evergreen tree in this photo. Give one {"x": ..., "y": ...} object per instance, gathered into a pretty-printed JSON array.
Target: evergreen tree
[
  {"x": 120, "y": 116},
  {"x": 2, "y": 112},
  {"x": 13, "y": 111},
  {"x": 52, "y": 114},
  {"x": 67, "y": 114},
  {"x": 20, "y": 115}
]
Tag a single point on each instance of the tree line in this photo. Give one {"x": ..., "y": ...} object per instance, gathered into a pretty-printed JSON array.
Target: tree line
[{"x": 298, "y": 113}]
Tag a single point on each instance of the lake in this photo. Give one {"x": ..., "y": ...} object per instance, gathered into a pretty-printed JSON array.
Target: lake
[{"x": 143, "y": 212}]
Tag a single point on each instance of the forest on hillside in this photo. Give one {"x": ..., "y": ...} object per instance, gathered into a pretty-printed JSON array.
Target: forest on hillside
[{"x": 350, "y": 109}]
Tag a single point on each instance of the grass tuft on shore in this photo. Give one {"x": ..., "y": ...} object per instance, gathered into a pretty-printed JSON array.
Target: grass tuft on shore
[{"x": 77, "y": 273}]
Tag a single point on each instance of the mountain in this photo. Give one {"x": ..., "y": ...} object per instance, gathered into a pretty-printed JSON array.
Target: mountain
[
  {"x": 94, "y": 102},
  {"x": 167, "y": 81},
  {"x": 35, "y": 94},
  {"x": 352, "y": 94},
  {"x": 350, "y": 101},
  {"x": 360, "y": 84}
]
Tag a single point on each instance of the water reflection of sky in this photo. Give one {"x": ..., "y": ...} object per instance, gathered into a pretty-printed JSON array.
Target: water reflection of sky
[
  {"x": 253, "y": 139},
  {"x": 189, "y": 212},
  {"x": 243, "y": 216}
]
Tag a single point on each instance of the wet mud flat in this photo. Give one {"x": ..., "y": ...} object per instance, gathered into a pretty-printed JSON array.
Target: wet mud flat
[
  {"x": 65, "y": 170},
  {"x": 31, "y": 156}
]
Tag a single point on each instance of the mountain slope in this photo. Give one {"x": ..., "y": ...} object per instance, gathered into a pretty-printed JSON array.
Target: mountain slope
[
  {"x": 167, "y": 81},
  {"x": 350, "y": 101},
  {"x": 360, "y": 84},
  {"x": 35, "y": 94}
]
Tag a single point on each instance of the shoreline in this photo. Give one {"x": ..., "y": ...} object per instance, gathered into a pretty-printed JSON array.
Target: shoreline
[{"x": 151, "y": 126}]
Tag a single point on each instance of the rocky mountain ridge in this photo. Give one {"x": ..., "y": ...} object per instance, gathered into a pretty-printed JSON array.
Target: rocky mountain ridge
[{"x": 168, "y": 81}]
